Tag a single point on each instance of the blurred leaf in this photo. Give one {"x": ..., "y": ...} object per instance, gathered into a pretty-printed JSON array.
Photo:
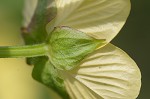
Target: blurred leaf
[{"x": 45, "y": 73}]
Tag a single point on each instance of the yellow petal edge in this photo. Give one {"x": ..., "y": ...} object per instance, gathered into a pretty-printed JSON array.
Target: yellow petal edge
[
  {"x": 108, "y": 73},
  {"x": 101, "y": 19}
]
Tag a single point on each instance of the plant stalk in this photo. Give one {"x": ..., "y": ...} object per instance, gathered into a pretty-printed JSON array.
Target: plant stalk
[{"x": 23, "y": 51}]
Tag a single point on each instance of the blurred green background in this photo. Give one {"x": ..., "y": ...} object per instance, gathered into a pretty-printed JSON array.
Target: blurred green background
[{"x": 133, "y": 38}]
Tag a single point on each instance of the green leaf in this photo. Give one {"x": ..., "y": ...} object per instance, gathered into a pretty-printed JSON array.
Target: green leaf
[
  {"x": 45, "y": 73},
  {"x": 107, "y": 73},
  {"x": 68, "y": 47}
]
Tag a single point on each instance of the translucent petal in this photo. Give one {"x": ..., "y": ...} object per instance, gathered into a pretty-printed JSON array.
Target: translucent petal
[
  {"x": 101, "y": 19},
  {"x": 108, "y": 73},
  {"x": 29, "y": 8}
]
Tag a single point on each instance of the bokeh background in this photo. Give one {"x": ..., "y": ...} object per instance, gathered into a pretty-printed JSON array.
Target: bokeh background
[{"x": 15, "y": 75}]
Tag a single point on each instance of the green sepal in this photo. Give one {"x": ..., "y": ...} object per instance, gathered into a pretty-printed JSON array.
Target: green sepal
[
  {"x": 45, "y": 73},
  {"x": 68, "y": 47}
]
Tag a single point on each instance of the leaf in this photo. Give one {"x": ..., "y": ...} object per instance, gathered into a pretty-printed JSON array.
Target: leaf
[
  {"x": 45, "y": 73},
  {"x": 101, "y": 19},
  {"x": 108, "y": 73},
  {"x": 68, "y": 47}
]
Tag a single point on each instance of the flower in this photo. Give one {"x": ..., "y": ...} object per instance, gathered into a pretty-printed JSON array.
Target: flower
[{"x": 108, "y": 72}]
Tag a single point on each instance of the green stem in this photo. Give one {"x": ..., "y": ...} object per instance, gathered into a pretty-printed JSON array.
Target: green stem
[{"x": 23, "y": 51}]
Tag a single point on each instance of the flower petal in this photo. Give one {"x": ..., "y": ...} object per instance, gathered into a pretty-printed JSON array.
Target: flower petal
[
  {"x": 108, "y": 73},
  {"x": 101, "y": 19}
]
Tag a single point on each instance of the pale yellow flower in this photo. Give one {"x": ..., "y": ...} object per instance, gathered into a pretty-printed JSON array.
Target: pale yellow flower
[{"x": 107, "y": 73}]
